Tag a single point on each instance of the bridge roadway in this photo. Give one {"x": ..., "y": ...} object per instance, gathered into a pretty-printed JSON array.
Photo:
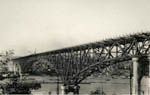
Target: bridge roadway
[{"x": 74, "y": 64}]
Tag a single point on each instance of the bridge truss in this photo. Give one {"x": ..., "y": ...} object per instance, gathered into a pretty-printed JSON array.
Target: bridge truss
[{"x": 74, "y": 64}]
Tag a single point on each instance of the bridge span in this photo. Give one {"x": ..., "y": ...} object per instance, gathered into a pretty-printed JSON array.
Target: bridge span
[{"x": 74, "y": 64}]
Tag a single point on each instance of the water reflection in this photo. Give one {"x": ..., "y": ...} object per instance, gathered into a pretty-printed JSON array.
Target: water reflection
[{"x": 110, "y": 87}]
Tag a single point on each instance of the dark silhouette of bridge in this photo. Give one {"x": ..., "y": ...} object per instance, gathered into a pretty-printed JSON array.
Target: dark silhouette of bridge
[{"x": 74, "y": 64}]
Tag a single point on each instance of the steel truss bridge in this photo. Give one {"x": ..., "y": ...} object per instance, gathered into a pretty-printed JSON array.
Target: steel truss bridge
[{"x": 74, "y": 64}]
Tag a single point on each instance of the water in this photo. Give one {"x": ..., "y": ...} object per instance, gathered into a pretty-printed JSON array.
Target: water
[{"x": 113, "y": 86}]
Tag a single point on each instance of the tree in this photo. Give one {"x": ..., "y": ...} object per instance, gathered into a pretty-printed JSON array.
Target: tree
[{"x": 6, "y": 56}]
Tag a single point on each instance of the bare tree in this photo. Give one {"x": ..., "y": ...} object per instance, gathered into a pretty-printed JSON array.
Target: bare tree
[{"x": 6, "y": 56}]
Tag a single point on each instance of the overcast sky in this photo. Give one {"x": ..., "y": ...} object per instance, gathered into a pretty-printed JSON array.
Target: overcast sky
[{"x": 43, "y": 25}]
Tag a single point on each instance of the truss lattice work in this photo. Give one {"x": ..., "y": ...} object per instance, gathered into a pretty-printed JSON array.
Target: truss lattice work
[{"x": 74, "y": 64}]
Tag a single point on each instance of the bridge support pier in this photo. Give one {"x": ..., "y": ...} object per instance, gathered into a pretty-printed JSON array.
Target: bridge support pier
[
  {"x": 76, "y": 89},
  {"x": 14, "y": 68},
  {"x": 20, "y": 72},
  {"x": 149, "y": 74},
  {"x": 63, "y": 90},
  {"x": 136, "y": 79},
  {"x": 72, "y": 88}
]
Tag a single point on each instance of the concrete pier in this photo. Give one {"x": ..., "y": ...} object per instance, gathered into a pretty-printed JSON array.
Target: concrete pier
[
  {"x": 20, "y": 72},
  {"x": 149, "y": 74},
  {"x": 135, "y": 76},
  {"x": 63, "y": 90},
  {"x": 76, "y": 89}
]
